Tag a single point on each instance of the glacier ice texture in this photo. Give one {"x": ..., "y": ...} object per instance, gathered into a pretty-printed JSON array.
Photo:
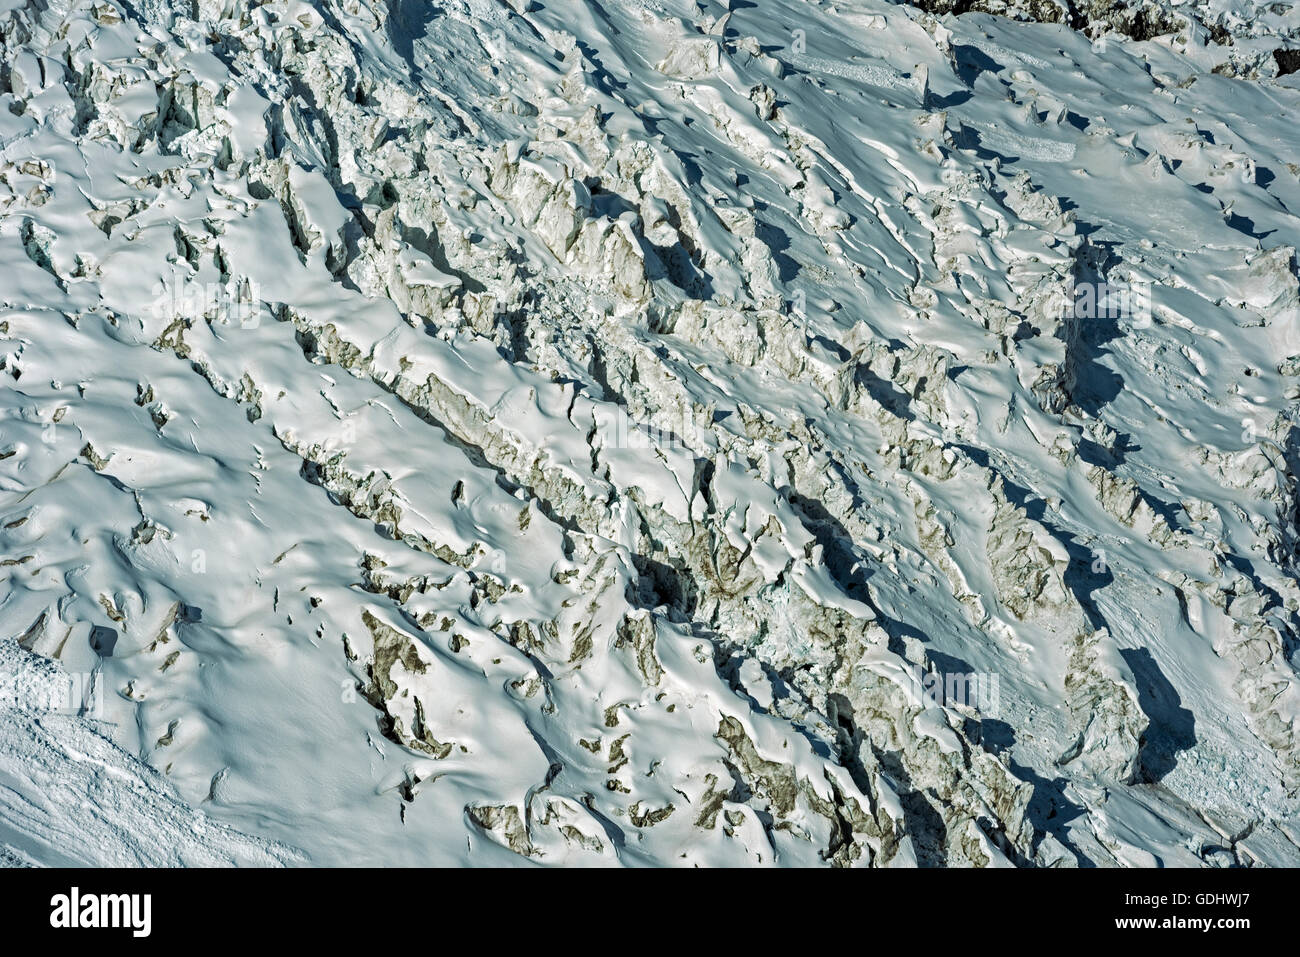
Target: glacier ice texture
[{"x": 649, "y": 432}]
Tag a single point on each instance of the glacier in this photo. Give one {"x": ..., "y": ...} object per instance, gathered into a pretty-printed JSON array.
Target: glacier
[{"x": 649, "y": 433}]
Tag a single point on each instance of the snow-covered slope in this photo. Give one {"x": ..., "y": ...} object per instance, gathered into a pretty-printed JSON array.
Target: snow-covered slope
[{"x": 649, "y": 433}]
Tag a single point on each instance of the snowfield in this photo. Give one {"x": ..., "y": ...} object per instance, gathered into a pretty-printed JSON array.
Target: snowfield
[{"x": 649, "y": 433}]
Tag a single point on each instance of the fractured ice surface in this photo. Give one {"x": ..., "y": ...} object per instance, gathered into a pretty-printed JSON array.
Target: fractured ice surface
[{"x": 580, "y": 433}]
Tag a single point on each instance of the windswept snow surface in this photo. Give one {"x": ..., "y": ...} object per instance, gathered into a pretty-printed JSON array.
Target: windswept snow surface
[{"x": 649, "y": 433}]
